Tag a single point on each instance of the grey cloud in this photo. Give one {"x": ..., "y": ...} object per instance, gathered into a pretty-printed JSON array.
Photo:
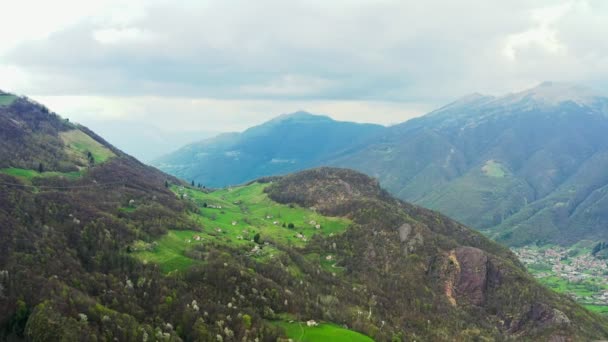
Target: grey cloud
[{"x": 429, "y": 51}]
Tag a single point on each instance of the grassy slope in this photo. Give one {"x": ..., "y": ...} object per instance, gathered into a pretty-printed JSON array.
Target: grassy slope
[
  {"x": 299, "y": 332},
  {"x": 79, "y": 143},
  {"x": 27, "y": 174},
  {"x": 253, "y": 213},
  {"x": 6, "y": 100},
  {"x": 170, "y": 250}
]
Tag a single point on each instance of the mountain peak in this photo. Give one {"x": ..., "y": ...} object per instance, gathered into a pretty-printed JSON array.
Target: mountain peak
[
  {"x": 300, "y": 115},
  {"x": 554, "y": 93}
]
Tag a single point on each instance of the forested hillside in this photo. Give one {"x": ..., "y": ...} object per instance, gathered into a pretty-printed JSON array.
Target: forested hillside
[{"x": 97, "y": 246}]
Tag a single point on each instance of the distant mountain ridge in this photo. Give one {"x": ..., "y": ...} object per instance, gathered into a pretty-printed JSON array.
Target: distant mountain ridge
[
  {"x": 517, "y": 165},
  {"x": 525, "y": 167},
  {"x": 286, "y": 143}
]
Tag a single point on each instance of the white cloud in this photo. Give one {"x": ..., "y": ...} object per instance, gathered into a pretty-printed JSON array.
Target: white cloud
[
  {"x": 126, "y": 35},
  {"x": 229, "y": 64},
  {"x": 543, "y": 34}
]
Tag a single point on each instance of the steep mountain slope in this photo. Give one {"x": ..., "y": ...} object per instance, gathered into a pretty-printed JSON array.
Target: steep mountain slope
[
  {"x": 98, "y": 246},
  {"x": 284, "y": 144},
  {"x": 527, "y": 166}
]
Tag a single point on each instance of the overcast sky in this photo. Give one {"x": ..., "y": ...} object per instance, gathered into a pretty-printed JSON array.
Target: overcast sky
[{"x": 225, "y": 65}]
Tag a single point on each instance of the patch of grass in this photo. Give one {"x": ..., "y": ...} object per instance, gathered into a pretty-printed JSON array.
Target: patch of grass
[
  {"x": 170, "y": 250},
  {"x": 584, "y": 288},
  {"x": 494, "y": 169},
  {"x": 246, "y": 211},
  {"x": 28, "y": 174},
  {"x": 79, "y": 144},
  {"x": 300, "y": 332},
  {"x": 601, "y": 309},
  {"x": 234, "y": 217},
  {"x": 7, "y": 99}
]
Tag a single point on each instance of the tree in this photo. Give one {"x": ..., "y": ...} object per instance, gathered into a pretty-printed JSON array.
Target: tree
[
  {"x": 247, "y": 321},
  {"x": 598, "y": 247},
  {"x": 291, "y": 226},
  {"x": 166, "y": 184},
  {"x": 91, "y": 158},
  {"x": 256, "y": 238},
  {"x": 40, "y": 168},
  {"x": 192, "y": 182}
]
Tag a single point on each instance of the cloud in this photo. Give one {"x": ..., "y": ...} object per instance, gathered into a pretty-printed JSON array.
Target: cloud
[
  {"x": 127, "y": 35},
  {"x": 367, "y": 56},
  {"x": 543, "y": 34}
]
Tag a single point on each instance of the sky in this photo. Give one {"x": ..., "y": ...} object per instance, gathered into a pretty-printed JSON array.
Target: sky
[{"x": 224, "y": 65}]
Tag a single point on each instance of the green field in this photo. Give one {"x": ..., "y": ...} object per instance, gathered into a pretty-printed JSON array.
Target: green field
[
  {"x": 234, "y": 217},
  {"x": 300, "y": 332},
  {"x": 169, "y": 251},
  {"x": 79, "y": 143},
  {"x": 601, "y": 309},
  {"x": 27, "y": 174},
  {"x": 584, "y": 288},
  {"x": 6, "y": 100},
  {"x": 494, "y": 169}
]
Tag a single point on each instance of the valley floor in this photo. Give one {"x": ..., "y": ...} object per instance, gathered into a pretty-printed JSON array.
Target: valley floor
[{"x": 574, "y": 271}]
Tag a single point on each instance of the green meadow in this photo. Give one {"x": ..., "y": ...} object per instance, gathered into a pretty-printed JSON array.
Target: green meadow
[
  {"x": 494, "y": 169},
  {"x": 242, "y": 217},
  {"x": 601, "y": 309},
  {"x": 169, "y": 251},
  {"x": 79, "y": 143},
  {"x": 300, "y": 332},
  {"x": 6, "y": 99},
  {"x": 28, "y": 175}
]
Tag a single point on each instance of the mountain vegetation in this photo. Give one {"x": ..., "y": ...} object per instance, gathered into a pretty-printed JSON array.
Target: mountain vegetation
[
  {"x": 525, "y": 168},
  {"x": 97, "y": 246},
  {"x": 287, "y": 143}
]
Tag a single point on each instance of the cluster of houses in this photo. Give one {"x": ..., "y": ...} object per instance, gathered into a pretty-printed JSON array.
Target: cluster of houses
[
  {"x": 301, "y": 237},
  {"x": 573, "y": 268},
  {"x": 314, "y": 224}
]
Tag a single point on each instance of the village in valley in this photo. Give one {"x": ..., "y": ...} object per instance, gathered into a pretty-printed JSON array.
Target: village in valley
[{"x": 575, "y": 271}]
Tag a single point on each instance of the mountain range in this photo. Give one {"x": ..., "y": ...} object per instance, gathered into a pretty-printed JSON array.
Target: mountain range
[
  {"x": 287, "y": 143},
  {"x": 524, "y": 168},
  {"x": 100, "y": 247}
]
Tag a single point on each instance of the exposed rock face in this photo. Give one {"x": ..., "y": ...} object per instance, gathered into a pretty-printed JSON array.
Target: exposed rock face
[
  {"x": 472, "y": 281},
  {"x": 469, "y": 274},
  {"x": 542, "y": 316},
  {"x": 404, "y": 231}
]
